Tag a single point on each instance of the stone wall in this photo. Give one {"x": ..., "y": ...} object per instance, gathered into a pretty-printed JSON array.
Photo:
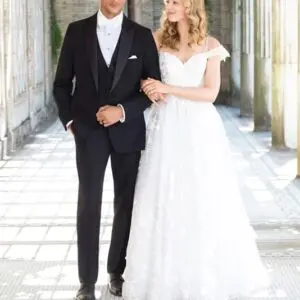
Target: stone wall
[
  {"x": 2, "y": 85},
  {"x": 68, "y": 11},
  {"x": 25, "y": 69}
]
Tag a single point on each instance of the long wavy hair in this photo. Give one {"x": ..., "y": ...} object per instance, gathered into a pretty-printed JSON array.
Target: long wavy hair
[{"x": 197, "y": 19}]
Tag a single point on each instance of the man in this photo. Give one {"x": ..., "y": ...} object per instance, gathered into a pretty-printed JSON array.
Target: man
[{"x": 107, "y": 55}]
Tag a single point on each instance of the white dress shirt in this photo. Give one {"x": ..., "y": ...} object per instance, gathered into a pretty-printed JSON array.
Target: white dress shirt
[{"x": 108, "y": 34}]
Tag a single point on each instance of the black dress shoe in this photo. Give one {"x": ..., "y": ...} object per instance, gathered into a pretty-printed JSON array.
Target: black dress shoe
[
  {"x": 86, "y": 292},
  {"x": 115, "y": 284}
]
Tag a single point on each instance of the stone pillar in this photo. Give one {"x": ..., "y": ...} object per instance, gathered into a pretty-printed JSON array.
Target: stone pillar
[
  {"x": 143, "y": 13},
  {"x": 298, "y": 103},
  {"x": 284, "y": 69},
  {"x": 236, "y": 48},
  {"x": 262, "y": 65},
  {"x": 226, "y": 40},
  {"x": 247, "y": 61},
  {"x": 137, "y": 10},
  {"x": 9, "y": 85},
  {"x": 2, "y": 85},
  {"x": 48, "y": 54},
  {"x": 129, "y": 10}
]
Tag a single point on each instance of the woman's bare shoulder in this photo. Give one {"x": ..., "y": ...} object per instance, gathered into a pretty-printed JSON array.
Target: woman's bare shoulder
[{"x": 212, "y": 43}]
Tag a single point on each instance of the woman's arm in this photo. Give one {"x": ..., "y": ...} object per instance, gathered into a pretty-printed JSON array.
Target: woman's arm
[
  {"x": 208, "y": 92},
  {"x": 210, "y": 89},
  {"x": 154, "y": 97}
]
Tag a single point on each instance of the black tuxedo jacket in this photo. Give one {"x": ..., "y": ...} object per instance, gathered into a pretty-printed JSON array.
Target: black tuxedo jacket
[{"x": 80, "y": 101}]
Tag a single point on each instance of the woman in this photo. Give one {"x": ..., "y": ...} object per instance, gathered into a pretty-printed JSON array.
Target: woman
[{"x": 190, "y": 235}]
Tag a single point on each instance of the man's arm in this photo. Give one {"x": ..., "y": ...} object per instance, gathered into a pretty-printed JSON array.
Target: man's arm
[
  {"x": 139, "y": 103},
  {"x": 63, "y": 82}
]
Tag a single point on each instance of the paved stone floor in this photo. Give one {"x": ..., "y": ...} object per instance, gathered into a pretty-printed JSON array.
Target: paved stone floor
[{"x": 38, "y": 205}]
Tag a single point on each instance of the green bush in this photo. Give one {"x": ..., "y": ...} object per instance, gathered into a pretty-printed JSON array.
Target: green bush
[
  {"x": 207, "y": 5},
  {"x": 208, "y": 9},
  {"x": 56, "y": 36}
]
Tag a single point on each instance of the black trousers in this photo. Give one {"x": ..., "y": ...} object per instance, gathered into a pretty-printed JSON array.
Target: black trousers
[{"x": 93, "y": 150}]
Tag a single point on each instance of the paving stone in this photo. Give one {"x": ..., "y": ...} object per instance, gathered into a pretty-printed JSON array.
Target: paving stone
[{"x": 38, "y": 188}]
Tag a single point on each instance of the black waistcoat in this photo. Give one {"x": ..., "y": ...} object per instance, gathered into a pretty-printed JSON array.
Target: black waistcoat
[{"x": 105, "y": 74}]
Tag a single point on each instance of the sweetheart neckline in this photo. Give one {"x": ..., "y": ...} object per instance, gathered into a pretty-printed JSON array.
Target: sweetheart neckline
[
  {"x": 193, "y": 55},
  {"x": 182, "y": 62}
]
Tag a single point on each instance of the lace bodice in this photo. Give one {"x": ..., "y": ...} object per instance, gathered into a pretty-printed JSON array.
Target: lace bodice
[{"x": 191, "y": 72}]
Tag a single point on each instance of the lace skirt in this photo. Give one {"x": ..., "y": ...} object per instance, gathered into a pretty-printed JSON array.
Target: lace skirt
[{"x": 190, "y": 235}]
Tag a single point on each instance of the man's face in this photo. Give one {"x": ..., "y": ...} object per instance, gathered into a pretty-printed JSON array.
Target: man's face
[{"x": 111, "y": 8}]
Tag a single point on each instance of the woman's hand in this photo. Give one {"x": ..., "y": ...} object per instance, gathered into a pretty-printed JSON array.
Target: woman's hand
[{"x": 152, "y": 88}]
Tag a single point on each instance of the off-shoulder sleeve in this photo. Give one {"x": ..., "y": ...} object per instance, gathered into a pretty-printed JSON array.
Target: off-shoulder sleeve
[{"x": 218, "y": 51}]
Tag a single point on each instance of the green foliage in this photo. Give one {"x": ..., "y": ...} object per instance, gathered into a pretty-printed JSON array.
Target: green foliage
[
  {"x": 208, "y": 8},
  {"x": 56, "y": 36},
  {"x": 207, "y": 4}
]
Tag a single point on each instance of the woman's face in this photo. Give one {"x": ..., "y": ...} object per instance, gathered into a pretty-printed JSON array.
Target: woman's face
[{"x": 175, "y": 10}]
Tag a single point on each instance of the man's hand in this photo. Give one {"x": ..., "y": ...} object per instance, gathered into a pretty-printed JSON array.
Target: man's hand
[
  {"x": 109, "y": 115},
  {"x": 70, "y": 127}
]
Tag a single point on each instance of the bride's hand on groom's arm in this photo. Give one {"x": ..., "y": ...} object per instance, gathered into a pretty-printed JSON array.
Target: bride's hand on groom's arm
[
  {"x": 154, "y": 89},
  {"x": 156, "y": 97},
  {"x": 151, "y": 85}
]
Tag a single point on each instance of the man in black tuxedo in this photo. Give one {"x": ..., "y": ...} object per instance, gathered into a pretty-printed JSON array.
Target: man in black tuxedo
[{"x": 108, "y": 55}]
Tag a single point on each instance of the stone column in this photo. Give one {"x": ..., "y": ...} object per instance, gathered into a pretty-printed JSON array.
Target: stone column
[
  {"x": 129, "y": 9},
  {"x": 284, "y": 69},
  {"x": 225, "y": 39},
  {"x": 143, "y": 12},
  {"x": 9, "y": 84},
  {"x": 247, "y": 61},
  {"x": 2, "y": 85},
  {"x": 262, "y": 65},
  {"x": 48, "y": 54},
  {"x": 298, "y": 103},
  {"x": 236, "y": 48}
]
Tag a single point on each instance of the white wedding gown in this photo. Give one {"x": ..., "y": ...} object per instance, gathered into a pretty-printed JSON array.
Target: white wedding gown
[{"x": 190, "y": 235}]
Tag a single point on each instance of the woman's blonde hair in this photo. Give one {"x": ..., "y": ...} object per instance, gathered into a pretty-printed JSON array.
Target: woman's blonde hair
[{"x": 197, "y": 18}]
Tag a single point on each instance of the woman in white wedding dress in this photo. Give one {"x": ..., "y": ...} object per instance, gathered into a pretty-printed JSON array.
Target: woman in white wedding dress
[{"x": 190, "y": 235}]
